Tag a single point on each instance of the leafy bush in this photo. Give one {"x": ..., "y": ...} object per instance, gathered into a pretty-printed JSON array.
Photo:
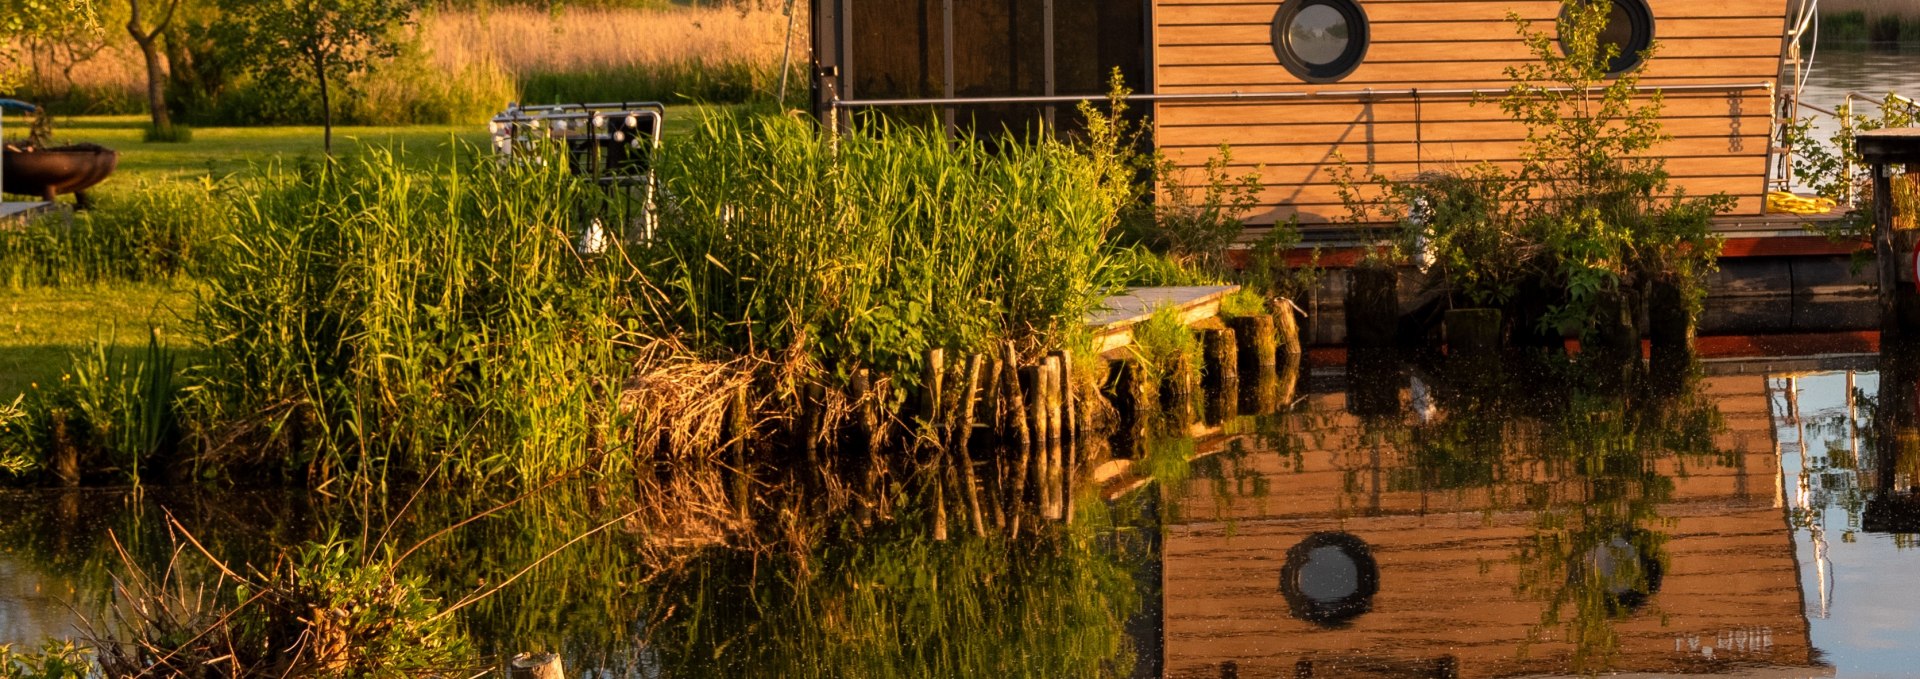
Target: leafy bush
[{"x": 54, "y": 660}]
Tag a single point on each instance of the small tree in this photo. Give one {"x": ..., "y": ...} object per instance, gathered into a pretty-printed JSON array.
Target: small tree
[
  {"x": 325, "y": 40},
  {"x": 148, "y": 38},
  {"x": 30, "y": 18}
]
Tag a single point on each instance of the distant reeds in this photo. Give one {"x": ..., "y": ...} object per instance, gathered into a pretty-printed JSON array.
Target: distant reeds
[{"x": 459, "y": 65}]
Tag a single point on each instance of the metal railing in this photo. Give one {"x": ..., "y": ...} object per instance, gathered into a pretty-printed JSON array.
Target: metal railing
[{"x": 1362, "y": 94}]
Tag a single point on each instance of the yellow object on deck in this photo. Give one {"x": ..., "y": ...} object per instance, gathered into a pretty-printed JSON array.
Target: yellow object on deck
[{"x": 1784, "y": 201}]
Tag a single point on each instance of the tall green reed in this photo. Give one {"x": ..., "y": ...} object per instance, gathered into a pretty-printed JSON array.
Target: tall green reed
[
  {"x": 370, "y": 318},
  {"x": 872, "y": 247},
  {"x": 111, "y": 415}
]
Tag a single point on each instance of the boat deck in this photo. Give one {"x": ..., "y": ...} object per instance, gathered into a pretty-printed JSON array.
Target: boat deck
[{"x": 1765, "y": 235}]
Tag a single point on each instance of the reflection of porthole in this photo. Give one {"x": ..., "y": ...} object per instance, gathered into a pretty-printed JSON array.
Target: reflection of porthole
[
  {"x": 1320, "y": 40},
  {"x": 1330, "y": 578},
  {"x": 1626, "y": 576},
  {"x": 1630, "y": 28}
]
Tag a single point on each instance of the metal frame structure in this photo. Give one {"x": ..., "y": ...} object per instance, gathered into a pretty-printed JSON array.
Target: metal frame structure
[{"x": 606, "y": 128}]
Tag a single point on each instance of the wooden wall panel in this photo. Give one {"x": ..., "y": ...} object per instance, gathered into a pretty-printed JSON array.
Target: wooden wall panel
[{"x": 1220, "y": 46}]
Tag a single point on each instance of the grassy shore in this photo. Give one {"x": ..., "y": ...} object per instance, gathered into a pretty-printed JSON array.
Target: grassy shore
[{"x": 43, "y": 325}]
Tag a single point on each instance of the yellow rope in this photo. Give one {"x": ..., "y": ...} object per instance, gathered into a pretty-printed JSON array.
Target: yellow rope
[{"x": 1782, "y": 201}]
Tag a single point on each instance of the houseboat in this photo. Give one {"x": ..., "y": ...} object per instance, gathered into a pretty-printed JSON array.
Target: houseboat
[{"x": 1298, "y": 88}]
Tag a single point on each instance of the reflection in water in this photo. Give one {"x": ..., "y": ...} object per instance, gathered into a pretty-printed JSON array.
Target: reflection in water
[
  {"x": 1490, "y": 521},
  {"x": 1522, "y": 520}
]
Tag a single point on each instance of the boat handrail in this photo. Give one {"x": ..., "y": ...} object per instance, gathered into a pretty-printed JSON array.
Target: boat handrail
[{"x": 1367, "y": 93}]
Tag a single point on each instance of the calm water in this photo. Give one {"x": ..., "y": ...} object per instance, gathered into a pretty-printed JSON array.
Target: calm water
[{"x": 1404, "y": 521}]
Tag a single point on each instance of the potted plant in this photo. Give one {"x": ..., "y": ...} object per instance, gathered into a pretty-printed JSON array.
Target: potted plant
[{"x": 1465, "y": 230}]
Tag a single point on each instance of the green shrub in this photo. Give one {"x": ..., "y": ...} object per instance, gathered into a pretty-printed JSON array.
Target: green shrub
[
  {"x": 54, "y": 660},
  {"x": 177, "y": 134}
]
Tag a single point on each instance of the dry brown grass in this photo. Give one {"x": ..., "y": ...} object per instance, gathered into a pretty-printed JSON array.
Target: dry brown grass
[
  {"x": 491, "y": 52},
  {"x": 524, "y": 40}
]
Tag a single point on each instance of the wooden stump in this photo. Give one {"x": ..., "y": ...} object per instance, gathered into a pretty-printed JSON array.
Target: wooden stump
[
  {"x": 1222, "y": 358},
  {"x": 1256, "y": 342},
  {"x": 1286, "y": 328},
  {"x": 536, "y": 666}
]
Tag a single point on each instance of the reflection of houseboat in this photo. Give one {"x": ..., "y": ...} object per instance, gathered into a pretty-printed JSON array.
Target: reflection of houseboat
[{"x": 1456, "y": 592}]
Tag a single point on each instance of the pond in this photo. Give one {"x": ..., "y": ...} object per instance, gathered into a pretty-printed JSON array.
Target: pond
[{"x": 1400, "y": 519}]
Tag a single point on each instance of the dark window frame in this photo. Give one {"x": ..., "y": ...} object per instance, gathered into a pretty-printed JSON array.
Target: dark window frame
[
  {"x": 1642, "y": 26},
  {"x": 1359, "y": 38}
]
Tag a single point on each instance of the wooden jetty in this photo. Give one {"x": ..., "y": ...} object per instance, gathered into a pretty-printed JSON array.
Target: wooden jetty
[{"x": 1113, "y": 324}]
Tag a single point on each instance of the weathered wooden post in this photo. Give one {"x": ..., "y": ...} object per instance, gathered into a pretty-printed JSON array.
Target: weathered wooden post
[
  {"x": 1222, "y": 381},
  {"x": 1893, "y": 248},
  {"x": 739, "y": 429},
  {"x": 962, "y": 443},
  {"x": 536, "y": 666},
  {"x": 1286, "y": 328}
]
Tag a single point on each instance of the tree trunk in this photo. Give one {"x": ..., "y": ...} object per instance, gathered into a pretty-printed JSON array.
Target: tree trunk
[
  {"x": 326, "y": 108},
  {"x": 156, "y": 88},
  {"x": 156, "y": 76}
]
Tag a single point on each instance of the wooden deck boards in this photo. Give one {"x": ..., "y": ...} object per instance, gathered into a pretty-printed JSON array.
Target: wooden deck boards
[{"x": 1113, "y": 324}]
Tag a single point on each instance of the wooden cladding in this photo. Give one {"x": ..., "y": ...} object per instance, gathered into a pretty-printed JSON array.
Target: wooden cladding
[{"x": 1720, "y": 138}]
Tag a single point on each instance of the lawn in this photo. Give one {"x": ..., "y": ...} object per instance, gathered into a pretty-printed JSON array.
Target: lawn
[
  {"x": 222, "y": 151},
  {"x": 41, "y": 327}
]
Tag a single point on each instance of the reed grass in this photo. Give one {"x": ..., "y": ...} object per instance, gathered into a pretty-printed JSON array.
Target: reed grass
[
  {"x": 369, "y": 317},
  {"x": 459, "y": 65},
  {"x": 154, "y": 232},
  {"x": 869, "y": 249}
]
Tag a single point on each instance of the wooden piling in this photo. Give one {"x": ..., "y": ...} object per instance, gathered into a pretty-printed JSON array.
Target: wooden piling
[
  {"x": 1070, "y": 438},
  {"x": 536, "y": 666},
  {"x": 1036, "y": 472},
  {"x": 1023, "y": 436},
  {"x": 1055, "y": 449},
  {"x": 739, "y": 428},
  {"x": 1286, "y": 327},
  {"x": 1255, "y": 336},
  {"x": 931, "y": 374},
  {"x": 962, "y": 444},
  {"x": 1071, "y": 411},
  {"x": 1221, "y": 356}
]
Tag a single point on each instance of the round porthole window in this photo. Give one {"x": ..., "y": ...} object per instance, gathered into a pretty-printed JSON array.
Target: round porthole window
[
  {"x": 1629, "y": 29},
  {"x": 1320, "y": 40},
  {"x": 1330, "y": 578}
]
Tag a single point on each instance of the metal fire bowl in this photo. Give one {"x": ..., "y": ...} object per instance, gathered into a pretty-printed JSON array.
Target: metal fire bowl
[{"x": 52, "y": 171}]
